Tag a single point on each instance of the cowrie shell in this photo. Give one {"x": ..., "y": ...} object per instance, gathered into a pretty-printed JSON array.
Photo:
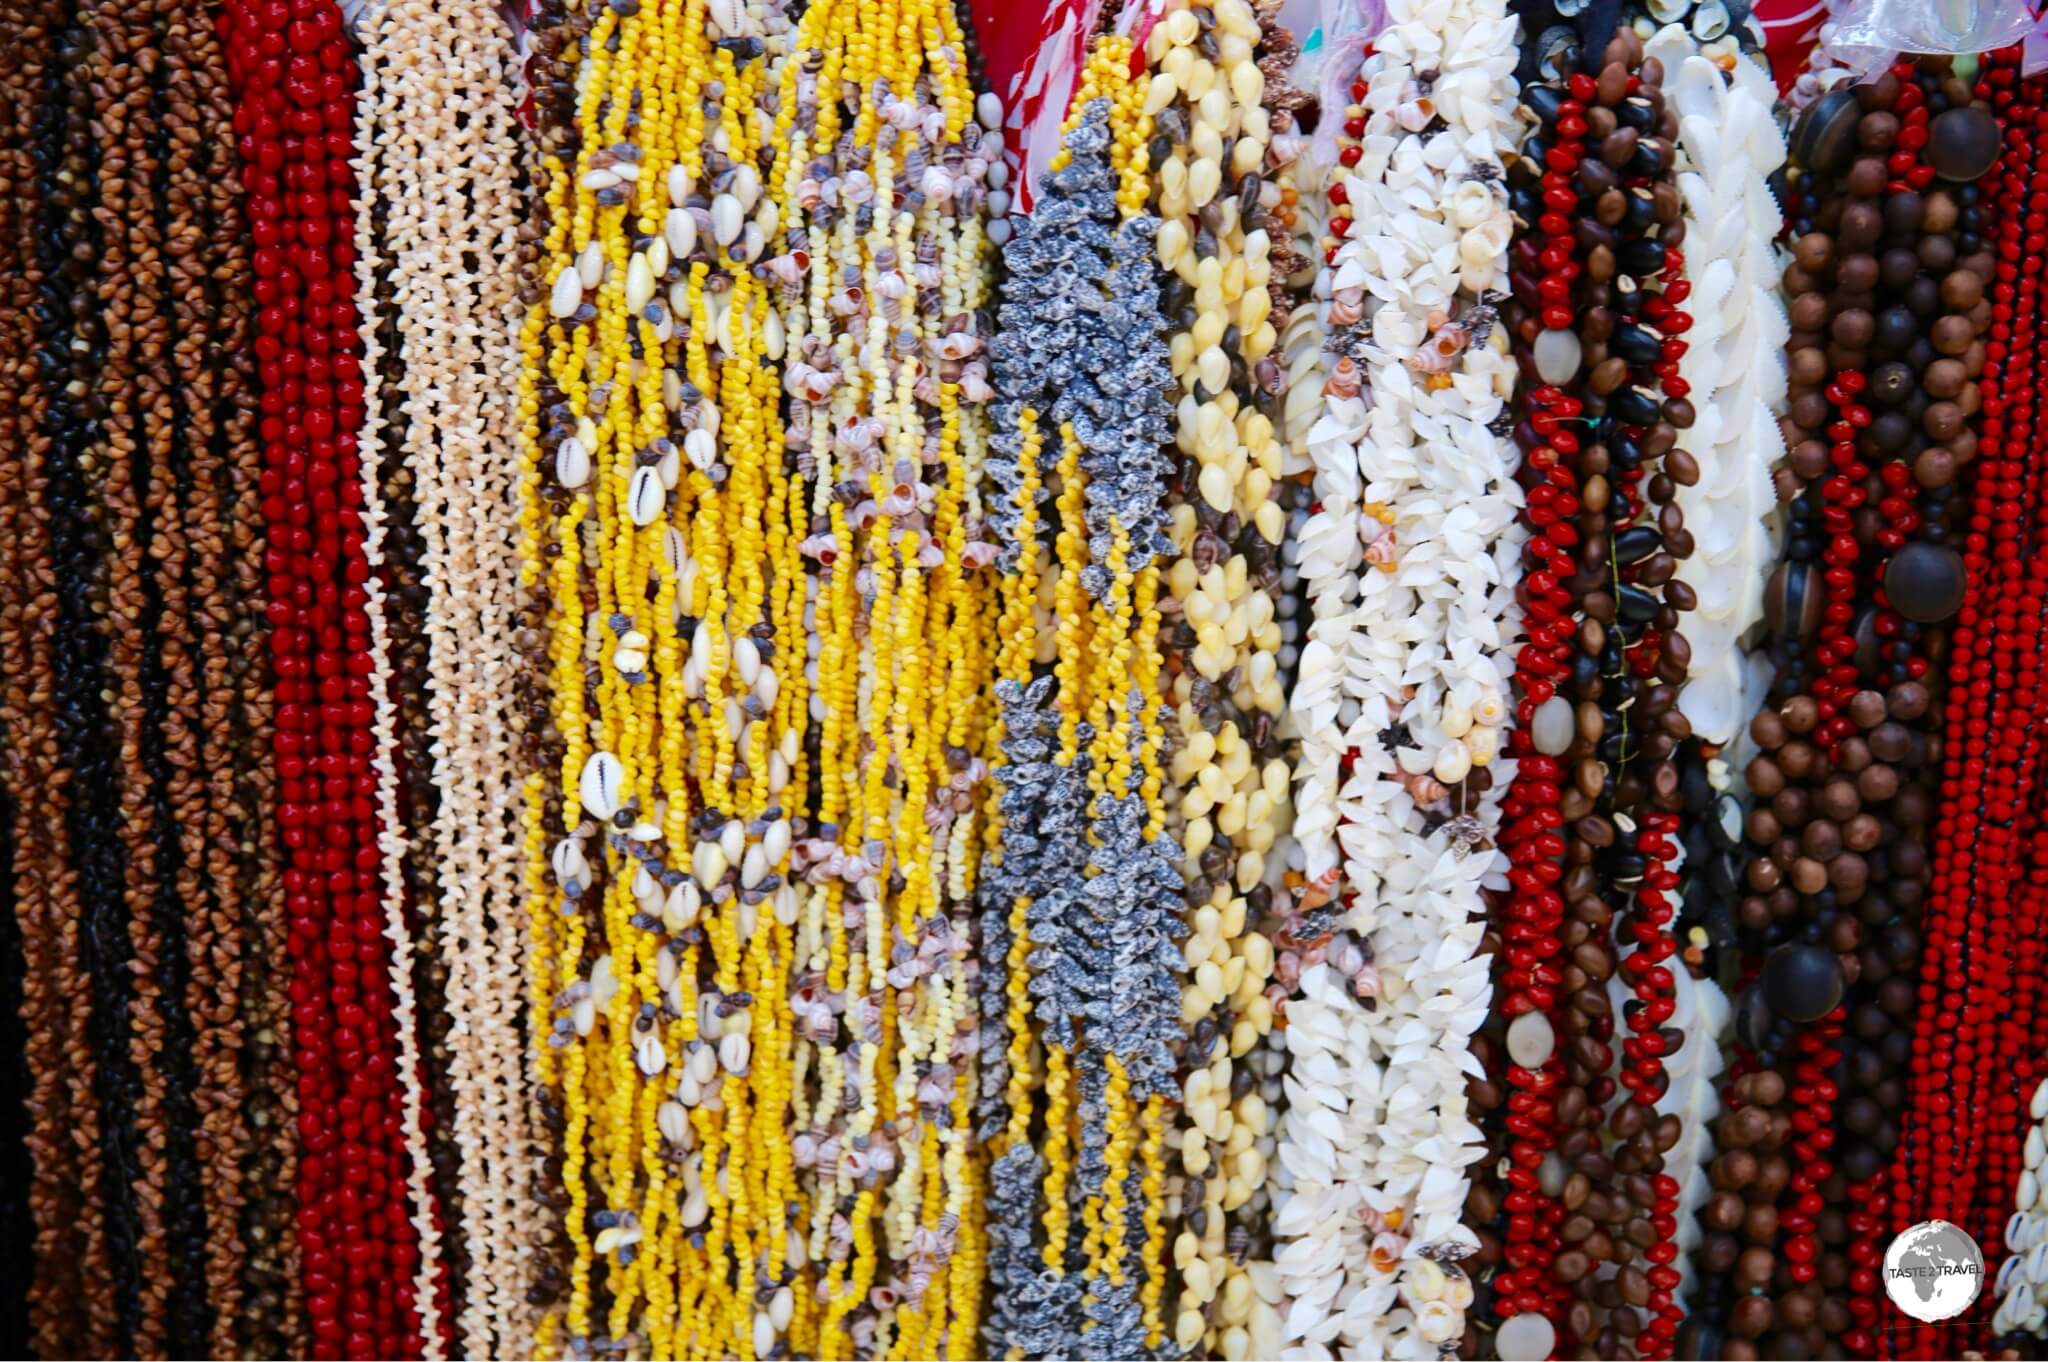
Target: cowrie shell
[
  {"x": 568, "y": 861},
  {"x": 639, "y": 282},
  {"x": 708, "y": 863},
  {"x": 645, "y": 496},
  {"x": 727, "y": 218},
  {"x": 679, "y": 229},
  {"x": 746, "y": 186},
  {"x": 572, "y": 462},
  {"x": 2007, "y": 1270},
  {"x": 702, "y": 447},
  {"x": 602, "y": 784},
  {"x": 734, "y": 1054},
  {"x": 567, "y": 293},
  {"x": 679, "y": 911}
]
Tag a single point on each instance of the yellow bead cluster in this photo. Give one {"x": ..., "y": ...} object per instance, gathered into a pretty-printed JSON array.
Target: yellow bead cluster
[
  {"x": 662, "y": 521},
  {"x": 885, "y": 390}
]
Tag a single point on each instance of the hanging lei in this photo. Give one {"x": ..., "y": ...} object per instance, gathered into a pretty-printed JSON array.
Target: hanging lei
[
  {"x": 885, "y": 284},
  {"x": 1085, "y": 869},
  {"x": 1205, "y": 94},
  {"x": 1420, "y": 367},
  {"x": 1728, "y": 146},
  {"x": 441, "y": 432}
]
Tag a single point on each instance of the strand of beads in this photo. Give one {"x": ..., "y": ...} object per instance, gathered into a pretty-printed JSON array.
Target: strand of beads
[
  {"x": 1428, "y": 246},
  {"x": 1720, "y": 466},
  {"x": 1206, "y": 91},
  {"x": 126, "y": 467},
  {"x": 73, "y": 353},
  {"x": 1292, "y": 202},
  {"x": 406, "y": 649},
  {"x": 1528, "y": 941},
  {"x": 293, "y": 116},
  {"x": 656, "y": 213},
  {"x": 382, "y": 29},
  {"x": 178, "y": 760},
  {"x": 1756, "y": 1142},
  {"x": 416, "y": 1196},
  {"x": 2008, "y": 1001},
  {"x": 1844, "y": 821},
  {"x": 446, "y": 428},
  {"x": 1544, "y": 196},
  {"x": 1974, "y": 923},
  {"x": 231, "y": 850},
  {"x": 1627, "y": 726},
  {"x": 552, "y": 37},
  {"x": 1916, "y": 441},
  {"x": 1322, "y": 428},
  {"x": 71, "y": 1296},
  {"x": 214, "y": 318},
  {"x": 1736, "y": 374},
  {"x": 2011, "y": 406},
  {"x": 273, "y": 1319},
  {"x": 1429, "y": 267},
  {"x": 412, "y": 873},
  {"x": 1324, "y": 553},
  {"x": 1083, "y": 354},
  {"x": 884, "y": 276},
  {"x": 1326, "y": 1042}
]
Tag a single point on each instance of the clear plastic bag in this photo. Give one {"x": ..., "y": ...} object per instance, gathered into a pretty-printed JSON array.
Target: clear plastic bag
[
  {"x": 1955, "y": 26},
  {"x": 1345, "y": 28}
]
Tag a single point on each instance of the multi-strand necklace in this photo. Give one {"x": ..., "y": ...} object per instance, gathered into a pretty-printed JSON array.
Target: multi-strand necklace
[
  {"x": 357, "y": 1113},
  {"x": 1420, "y": 231},
  {"x": 75, "y": 1309},
  {"x": 133, "y": 508},
  {"x": 1591, "y": 1224},
  {"x": 885, "y": 310},
  {"x": 1205, "y": 96},
  {"x": 1963, "y": 1142},
  {"x": 1083, "y": 860},
  {"x": 783, "y": 844},
  {"x": 451, "y": 437}
]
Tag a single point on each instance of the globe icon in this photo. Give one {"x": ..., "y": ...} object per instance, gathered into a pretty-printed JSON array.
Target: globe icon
[{"x": 1933, "y": 1271}]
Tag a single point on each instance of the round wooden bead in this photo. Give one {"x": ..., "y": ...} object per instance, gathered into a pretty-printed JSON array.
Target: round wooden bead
[
  {"x": 1802, "y": 982},
  {"x": 1925, "y": 582},
  {"x": 1963, "y": 143}
]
